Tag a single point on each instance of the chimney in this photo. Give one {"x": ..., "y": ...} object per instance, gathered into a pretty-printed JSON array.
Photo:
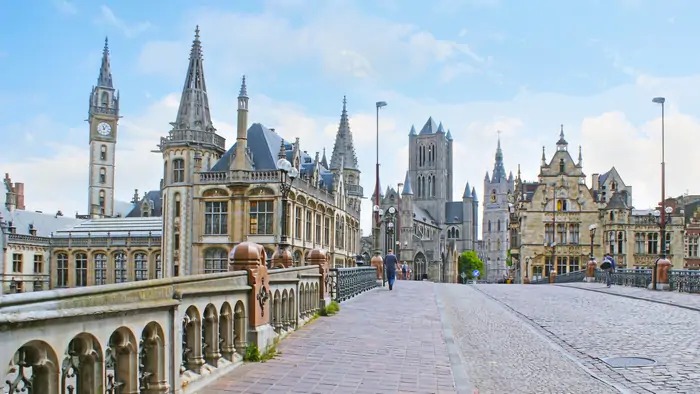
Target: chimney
[
  {"x": 10, "y": 201},
  {"x": 594, "y": 186},
  {"x": 135, "y": 198},
  {"x": 19, "y": 195}
]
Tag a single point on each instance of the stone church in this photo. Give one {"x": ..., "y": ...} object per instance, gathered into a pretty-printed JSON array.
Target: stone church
[
  {"x": 432, "y": 228},
  {"x": 497, "y": 191}
]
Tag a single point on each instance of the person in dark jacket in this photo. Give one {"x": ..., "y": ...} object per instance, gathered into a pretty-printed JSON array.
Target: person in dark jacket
[
  {"x": 609, "y": 271},
  {"x": 390, "y": 263}
]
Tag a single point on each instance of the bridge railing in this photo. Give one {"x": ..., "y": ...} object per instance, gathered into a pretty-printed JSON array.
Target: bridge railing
[
  {"x": 158, "y": 336},
  {"x": 345, "y": 283},
  {"x": 569, "y": 277}
]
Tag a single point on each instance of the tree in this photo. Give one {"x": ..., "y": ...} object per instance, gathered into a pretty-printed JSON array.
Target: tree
[{"x": 468, "y": 262}]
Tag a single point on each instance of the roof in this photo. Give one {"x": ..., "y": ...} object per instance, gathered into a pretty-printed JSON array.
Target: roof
[
  {"x": 618, "y": 201},
  {"x": 44, "y": 223},
  {"x": 264, "y": 145},
  {"x": 430, "y": 127},
  {"x": 114, "y": 227},
  {"x": 421, "y": 215},
  {"x": 454, "y": 214},
  {"x": 155, "y": 201},
  {"x": 528, "y": 189}
]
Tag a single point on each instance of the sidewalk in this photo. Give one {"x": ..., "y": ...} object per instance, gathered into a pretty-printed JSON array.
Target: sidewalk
[
  {"x": 683, "y": 300},
  {"x": 381, "y": 342}
]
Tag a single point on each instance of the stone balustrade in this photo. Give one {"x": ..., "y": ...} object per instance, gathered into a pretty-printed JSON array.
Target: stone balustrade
[{"x": 156, "y": 336}]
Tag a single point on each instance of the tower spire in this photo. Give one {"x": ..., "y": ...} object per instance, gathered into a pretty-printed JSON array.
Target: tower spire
[
  {"x": 241, "y": 160},
  {"x": 344, "y": 146},
  {"x": 499, "y": 171},
  {"x": 193, "y": 113},
  {"x": 105, "y": 78},
  {"x": 562, "y": 144},
  {"x": 580, "y": 157}
]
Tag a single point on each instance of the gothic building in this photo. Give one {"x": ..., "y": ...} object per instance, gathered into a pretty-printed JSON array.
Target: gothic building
[
  {"x": 429, "y": 227},
  {"x": 494, "y": 229}
]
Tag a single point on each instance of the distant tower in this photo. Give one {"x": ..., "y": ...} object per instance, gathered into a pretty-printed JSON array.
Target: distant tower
[
  {"x": 494, "y": 229},
  {"x": 344, "y": 156},
  {"x": 103, "y": 116},
  {"x": 191, "y": 146}
]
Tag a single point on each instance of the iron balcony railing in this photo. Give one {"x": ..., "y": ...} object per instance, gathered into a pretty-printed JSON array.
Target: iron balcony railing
[{"x": 345, "y": 283}]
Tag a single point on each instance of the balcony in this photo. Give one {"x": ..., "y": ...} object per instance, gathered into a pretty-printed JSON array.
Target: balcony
[
  {"x": 354, "y": 190},
  {"x": 199, "y": 137}
]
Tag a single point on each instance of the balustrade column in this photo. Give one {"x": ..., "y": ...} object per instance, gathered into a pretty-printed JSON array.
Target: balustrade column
[{"x": 211, "y": 338}]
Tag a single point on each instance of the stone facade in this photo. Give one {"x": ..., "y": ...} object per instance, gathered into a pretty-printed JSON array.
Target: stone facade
[
  {"x": 498, "y": 191},
  {"x": 692, "y": 236},
  {"x": 551, "y": 221}
]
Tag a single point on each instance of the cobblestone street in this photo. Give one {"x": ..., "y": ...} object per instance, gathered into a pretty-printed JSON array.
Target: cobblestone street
[{"x": 593, "y": 325}]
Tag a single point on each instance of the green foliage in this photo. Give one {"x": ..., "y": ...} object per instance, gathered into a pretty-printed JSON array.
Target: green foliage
[
  {"x": 468, "y": 262},
  {"x": 509, "y": 259},
  {"x": 252, "y": 353},
  {"x": 330, "y": 309}
]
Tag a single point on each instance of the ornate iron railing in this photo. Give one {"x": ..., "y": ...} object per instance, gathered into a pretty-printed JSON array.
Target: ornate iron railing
[
  {"x": 685, "y": 281},
  {"x": 569, "y": 277},
  {"x": 626, "y": 277},
  {"x": 345, "y": 283}
]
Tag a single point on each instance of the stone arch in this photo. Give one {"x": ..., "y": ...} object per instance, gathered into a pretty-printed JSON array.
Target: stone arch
[
  {"x": 192, "y": 340},
  {"x": 307, "y": 299},
  {"x": 315, "y": 297},
  {"x": 33, "y": 368},
  {"x": 210, "y": 332},
  {"x": 120, "y": 361},
  {"x": 226, "y": 334},
  {"x": 215, "y": 192},
  {"x": 284, "y": 312},
  {"x": 292, "y": 311},
  {"x": 420, "y": 266},
  {"x": 81, "y": 370},
  {"x": 239, "y": 327},
  {"x": 277, "y": 311},
  {"x": 297, "y": 258},
  {"x": 152, "y": 376}
]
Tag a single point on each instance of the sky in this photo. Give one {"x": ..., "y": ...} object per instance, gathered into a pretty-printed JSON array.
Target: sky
[{"x": 479, "y": 66}]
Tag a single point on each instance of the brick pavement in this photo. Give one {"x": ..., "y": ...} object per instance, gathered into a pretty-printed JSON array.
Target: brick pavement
[
  {"x": 592, "y": 325},
  {"x": 685, "y": 300},
  {"x": 380, "y": 342}
]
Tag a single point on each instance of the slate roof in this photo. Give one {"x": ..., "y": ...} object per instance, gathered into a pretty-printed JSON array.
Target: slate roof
[
  {"x": 264, "y": 145},
  {"x": 454, "y": 214},
  {"x": 407, "y": 189},
  {"x": 528, "y": 189},
  {"x": 44, "y": 223},
  {"x": 421, "y": 215},
  {"x": 114, "y": 227},
  {"x": 618, "y": 200},
  {"x": 430, "y": 127},
  {"x": 154, "y": 199}
]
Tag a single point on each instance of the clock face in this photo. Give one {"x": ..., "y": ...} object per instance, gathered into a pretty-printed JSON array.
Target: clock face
[
  {"x": 493, "y": 198},
  {"x": 392, "y": 210},
  {"x": 104, "y": 128}
]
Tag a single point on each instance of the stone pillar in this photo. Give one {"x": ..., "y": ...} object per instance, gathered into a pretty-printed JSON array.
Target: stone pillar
[
  {"x": 282, "y": 259},
  {"x": 553, "y": 276},
  {"x": 318, "y": 257},
  {"x": 590, "y": 270},
  {"x": 662, "y": 268},
  {"x": 250, "y": 257},
  {"x": 378, "y": 262}
]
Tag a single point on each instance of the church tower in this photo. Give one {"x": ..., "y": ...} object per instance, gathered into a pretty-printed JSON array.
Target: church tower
[
  {"x": 344, "y": 158},
  {"x": 103, "y": 116},
  {"x": 497, "y": 191},
  {"x": 192, "y": 146}
]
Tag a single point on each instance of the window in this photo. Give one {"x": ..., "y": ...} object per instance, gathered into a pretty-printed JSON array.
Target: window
[
  {"x": 17, "y": 262},
  {"x": 318, "y": 228},
  {"x": 668, "y": 243},
  {"x": 103, "y": 152},
  {"x": 620, "y": 242},
  {"x": 548, "y": 233},
  {"x": 340, "y": 233},
  {"x": 102, "y": 199},
  {"x": 498, "y": 225},
  {"x": 103, "y": 175},
  {"x": 178, "y": 170},
  {"x": 140, "y": 266},
  {"x": 62, "y": 270},
  {"x": 177, "y": 205},
  {"x": 639, "y": 243},
  {"x": 215, "y": 218},
  {"x": 261, "y": 217},
  {"x": 693, "y": 246},
  {"x": 100, "y": 269},
  {"x": 574, "y": 234},
  {"x": 652, "y": 243},
  {"x": 574, "y": 264},
  {"x": 297, "y": 221},
  {"x": 176, "y": 241},
  {"x": 38, "y": 264},
  {"x": 120, "y": 267},
  {"x": 327, "y": 232},
  {"x": 561, "y": 234},
  {"x": 159, "y": 267},
  {"x": 489, "y": 226},
  {"x": 561, "y": 165},
  {"x": 80, "y": 270},
  {"x": 308, "y": 236},
  {"x": 215, "y": 260},
  {"x": 561, "y": 265}
]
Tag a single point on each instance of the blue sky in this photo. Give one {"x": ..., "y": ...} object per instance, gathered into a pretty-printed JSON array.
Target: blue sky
[{"x": 477, "y": 65}]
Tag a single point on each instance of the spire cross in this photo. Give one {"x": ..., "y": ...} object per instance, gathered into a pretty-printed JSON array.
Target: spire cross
[{"x": 196, "y": 33}]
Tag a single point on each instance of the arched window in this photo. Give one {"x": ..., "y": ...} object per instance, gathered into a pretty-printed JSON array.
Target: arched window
[
  {"x": 456, "y": 233},
  {"x": 120, "y": 267},
  {"x": 103, "y": 175},
  {"x": 80, "y": 269},
  {"x": 100, "y": 269},
  {"x": 612, "y": 216},
  {"x": 62, "y": 270},
  {"x": 159, "y": 267},
  {"x": 104, "y": 99},
  {"x": 498, "y": 226},
  {"x": 489, "y": 226},
  {"x": 103, "y": 152},
  {"x": 561, "y": 165},
  {"x": 178, "y": 170},
  {"x": 434, "y": 187},
  {"x": 101, "y": 201},
  {"x": 215, "y": 261},
  {"x": 140, "y": 266}
]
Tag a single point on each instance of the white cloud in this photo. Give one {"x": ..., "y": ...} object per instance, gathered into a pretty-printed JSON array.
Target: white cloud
[
  {"x": 65, "y": 7},
  {"x": 128, "y": 29}
]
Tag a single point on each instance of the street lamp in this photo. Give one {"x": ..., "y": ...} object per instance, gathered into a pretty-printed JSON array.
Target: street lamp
[
  {"x": 661, "y": 219},
  {"x": 287, "y": 175},
  {"x": 592, "y": 228},
  {"x": 379, "y": 104},
  {"x": 527, "y": 269},
  {"x": 662, "y": 101}
]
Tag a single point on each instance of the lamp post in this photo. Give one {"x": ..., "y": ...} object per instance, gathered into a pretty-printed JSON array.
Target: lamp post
[
  {"x": 592, "y": 228},
  {"x": 287, "y": 175},
  {"x": 527, "y": 270},
  {"x": 661, "y": 218},
  {"x": 662, "y": 230},
  {"x": 377, "y": 261}
]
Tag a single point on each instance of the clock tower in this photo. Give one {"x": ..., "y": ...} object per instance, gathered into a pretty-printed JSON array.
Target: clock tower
[{"x": 103, "y": 116}]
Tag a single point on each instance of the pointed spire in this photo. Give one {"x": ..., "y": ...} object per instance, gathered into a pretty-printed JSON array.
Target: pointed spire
[
  {"x": 544, "y": 159},
  {"x": 344, "y": 146},
  {"x": 449, "y": 135},
  {"x": 440, "y": 128},
  {"x": 244, "y": 90},
  {"x": 282, "y": 154},
  {"x": 467, "y": 191},
  {"x": 499, "y": 171},
  {"x": 324, "y": 161},
  {"x": 430, "y": 127},
  {"x": 580, "y": 157},
  {"x": 407, "y": 189},
  {"x": 518, "y": 171},
  {"x": 413, "y": 130},
  {"x": 474, "y": 194},
  {"x": 193, "y": 113},
  {"x": 105, "y": 78},
  {"x": 561, "y": 144}
]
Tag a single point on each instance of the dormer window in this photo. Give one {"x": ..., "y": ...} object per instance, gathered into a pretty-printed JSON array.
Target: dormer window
[{"x": 561, "y": 165}]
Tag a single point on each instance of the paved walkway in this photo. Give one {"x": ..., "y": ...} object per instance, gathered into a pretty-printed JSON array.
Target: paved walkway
[
  {"x": 381, "y": 342},
  {"x": 685, "y": 300}
]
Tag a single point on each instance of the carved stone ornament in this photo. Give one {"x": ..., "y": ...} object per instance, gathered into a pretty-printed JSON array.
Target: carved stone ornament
[{"x": 262, "y": 299}]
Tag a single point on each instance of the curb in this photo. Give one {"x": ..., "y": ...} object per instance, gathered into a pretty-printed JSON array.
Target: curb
[
  {"x": 457, "y": 364},
  {"x": 692, "y": 308}
]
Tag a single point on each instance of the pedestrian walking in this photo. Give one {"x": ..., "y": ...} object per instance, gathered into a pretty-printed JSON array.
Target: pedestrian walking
[
  {"x": 608, "y": 265},
  {"x": 404, "y": 270},
  {"x": 390, "y": 266}
]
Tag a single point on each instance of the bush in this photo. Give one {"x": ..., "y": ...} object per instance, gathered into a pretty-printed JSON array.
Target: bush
[{"x": 252, "y": 353}]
